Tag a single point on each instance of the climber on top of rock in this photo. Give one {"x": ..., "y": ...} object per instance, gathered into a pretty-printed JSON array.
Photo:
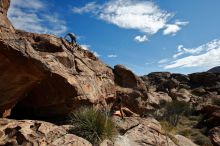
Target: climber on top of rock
[{"x": 72, "y": 37}]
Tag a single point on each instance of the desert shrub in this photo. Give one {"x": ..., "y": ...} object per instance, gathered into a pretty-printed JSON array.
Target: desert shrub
[
  {"x": 200, "y": 139},
  {"x": 167, "y": 127},
  {"x": 92, "y": 124},
  {"x": 174, "y": 110},
  {"x": 216, "y": 101},
  {"x": 185, "y": 132}
]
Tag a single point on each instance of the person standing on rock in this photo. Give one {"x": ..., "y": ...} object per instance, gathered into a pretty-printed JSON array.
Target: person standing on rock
[
  {"x": 72, "y": 37},
  {"x": 117, "y": 107}
]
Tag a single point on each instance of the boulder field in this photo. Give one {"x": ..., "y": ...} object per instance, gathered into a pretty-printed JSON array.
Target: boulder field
[{"x": 43, "y": 76}]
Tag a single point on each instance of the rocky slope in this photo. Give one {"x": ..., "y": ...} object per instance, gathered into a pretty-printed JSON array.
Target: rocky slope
[
  {"x": 31, "y": 133},
  {"x": 45, "y": 77},
  {"x": 214, "y": 69},
  {"x": 44, "y": 74}
]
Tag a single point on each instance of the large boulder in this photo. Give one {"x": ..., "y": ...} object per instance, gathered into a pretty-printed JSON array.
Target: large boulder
[
  {"x": 164, "y": 81},
  {"x": 183, "y": 141},
  {"x": 181, "y": 94},
  {"x": 142, "y": 102},
  {"x": 126, "y": 78},
  {"x": 156, "y": 99},
  {"x": 46, "y": 76},
  {"x": 30, "y": 132},
  {"x": 141, "y": 132},
  {"x": 131, "y": 89}
]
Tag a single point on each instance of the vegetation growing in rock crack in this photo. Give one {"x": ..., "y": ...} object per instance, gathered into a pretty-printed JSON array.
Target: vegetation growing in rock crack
[
  {"x": 174, "y": 110},
  {"x": 216, "y": 101},
  {"x": 92, "y": 124}
]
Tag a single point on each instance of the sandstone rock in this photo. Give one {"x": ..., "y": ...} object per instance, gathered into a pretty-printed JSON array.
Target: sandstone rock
[
  {"x": 159, "y": 75},
  {"x": 141, "y": 102},
  {"x": 5, "y": 24},
  {"x": 181, "y": 95},
  {"x": 204, "y": 78},
  {"x": 126, "y": 78},
  {"x": 135, "y": 92},
  {"x": 215, "y": 136},
  {"x": 212, "y": 116},
  {"x": 107, "y": 143},
  {"x": 163, "y": 81},
  {"x": 147, "y": 133},
  {"x": 29, "y": 132},
  {"x": 128, "y": 123},
  {"x": 183, "y": 141},
  {"x": 200, "y": 91},
  {"x": 184, "y": 79},
  {"x": 157, "y": 98},
  {"x": 43, "y": 75},
  {"x": 140, "y": 132}
]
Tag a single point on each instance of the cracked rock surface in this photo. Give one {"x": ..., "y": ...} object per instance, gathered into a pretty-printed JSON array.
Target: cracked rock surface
[{"x": 36, "y": 133}]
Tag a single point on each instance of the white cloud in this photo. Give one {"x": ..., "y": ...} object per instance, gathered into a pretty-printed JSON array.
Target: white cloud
[
  {"x": 181, "y": 50},
  {"x": 87, "y": 8},
  {"x": 85, "y": 47},
  {"x": 207, "y": 55},
  {"x": 112, "y": 56},
  {"x": 141, "y": 39},
  {"x": 31, "y": 16},
  {"x": 174, "y": 28},
  {"x": 88, "y": 47},
  {"x": 96, "y": 54},
  {"x": 177, "y": 54},
  {"x": 34, "y": 4},
  {"x": 144, "y": 16},
  {"x": 163, "y": 61}
]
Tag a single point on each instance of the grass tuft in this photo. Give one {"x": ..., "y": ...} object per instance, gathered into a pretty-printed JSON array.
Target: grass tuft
[{"x": 92, "y": 124}]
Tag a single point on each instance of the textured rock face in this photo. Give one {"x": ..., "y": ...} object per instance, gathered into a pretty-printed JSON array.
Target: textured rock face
[
  {"x": 5, "y": 24},
  {"x": 126, "y": 78},
  {"x": 212, "y": 116},
  {"x": 131, "y": 89},
  {"x": 27, "y": 132},
  {"x": 146, "y": 132},
  {"x": 205, "y": 79},
  {"x": 142, "y": 132},
  {"x": 215, "y": 136},
  {"x": 47, "y": 76},
  {"x": 183, "y": 141},
  {"x": 181, "y": 95}
]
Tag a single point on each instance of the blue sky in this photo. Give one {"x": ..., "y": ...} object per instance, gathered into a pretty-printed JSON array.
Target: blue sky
[{"x": 145, "y": 36}]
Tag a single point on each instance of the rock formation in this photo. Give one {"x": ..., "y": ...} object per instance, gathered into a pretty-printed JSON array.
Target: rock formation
[
  {"x": 214, "y": 69},
  {"x": 146, "y": 132},
  {"x": 28, "y": 133},
  {"x": 46, "y": 75}
]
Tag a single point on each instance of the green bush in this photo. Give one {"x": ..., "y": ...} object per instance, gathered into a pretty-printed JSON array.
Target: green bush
[
  {"x": 174, "y": 110},
  {"x": 92, "y": 124},
  {"x": 216, "y": 101}
]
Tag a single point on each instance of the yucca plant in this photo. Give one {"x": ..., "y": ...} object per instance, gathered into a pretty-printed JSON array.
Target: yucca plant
[{"x": 92, "y": 124}]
